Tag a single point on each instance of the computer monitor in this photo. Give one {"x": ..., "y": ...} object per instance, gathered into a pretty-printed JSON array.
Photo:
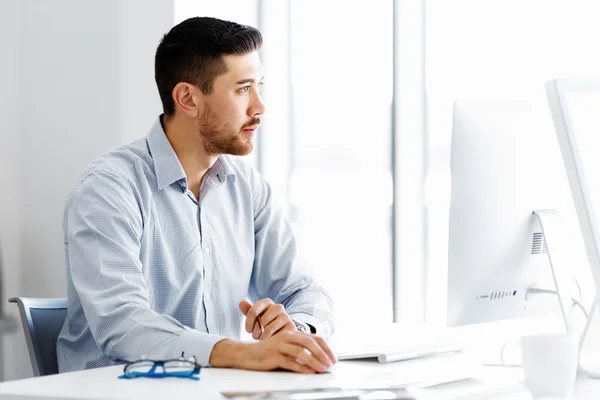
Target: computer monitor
[
  {"x": 506, "y": 165},
  {"x": 575, "y": 109}
]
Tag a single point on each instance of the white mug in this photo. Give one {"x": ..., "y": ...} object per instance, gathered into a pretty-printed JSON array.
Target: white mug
[{"x": 550, "y": 363}]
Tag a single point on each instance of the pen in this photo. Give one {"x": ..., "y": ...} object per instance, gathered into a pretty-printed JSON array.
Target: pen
[{"x": 260, "y": 325}]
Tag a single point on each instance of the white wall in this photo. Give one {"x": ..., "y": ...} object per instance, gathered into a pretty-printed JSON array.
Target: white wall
[
  {"x": 87, "y": 85},
  {"x": 10, "y": 131},
  {"x": 143, "y": 23}
]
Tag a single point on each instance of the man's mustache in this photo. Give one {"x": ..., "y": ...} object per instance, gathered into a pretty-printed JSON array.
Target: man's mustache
[{"x": 254, "y": 121}]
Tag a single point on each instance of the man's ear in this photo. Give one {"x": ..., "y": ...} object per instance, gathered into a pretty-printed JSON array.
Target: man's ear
[{"x": 186, "y": 99}]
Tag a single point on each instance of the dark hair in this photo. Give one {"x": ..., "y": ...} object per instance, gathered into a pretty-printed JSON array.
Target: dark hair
[{"x": 193, "y": 51}]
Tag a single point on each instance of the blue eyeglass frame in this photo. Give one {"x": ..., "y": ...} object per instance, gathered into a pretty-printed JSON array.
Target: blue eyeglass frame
[{"x": 153, "y": 374}]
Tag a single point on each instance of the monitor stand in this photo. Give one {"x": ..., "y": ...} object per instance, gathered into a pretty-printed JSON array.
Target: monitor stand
[
  {"x": 552, "y": 229},
  {"x": 589, "y": 344}
]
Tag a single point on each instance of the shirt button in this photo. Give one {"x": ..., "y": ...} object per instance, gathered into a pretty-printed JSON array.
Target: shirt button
[{"x": 206, "y": 250}]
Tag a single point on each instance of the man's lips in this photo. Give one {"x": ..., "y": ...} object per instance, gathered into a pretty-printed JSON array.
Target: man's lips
[{"x": 250, "y": 129}]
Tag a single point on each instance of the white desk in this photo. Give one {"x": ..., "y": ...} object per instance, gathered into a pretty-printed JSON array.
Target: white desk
[{"x": 102, "y": 383}]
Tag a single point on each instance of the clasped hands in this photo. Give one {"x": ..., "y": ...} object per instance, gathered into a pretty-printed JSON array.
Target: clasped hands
[{"x": 273, "y": 327}]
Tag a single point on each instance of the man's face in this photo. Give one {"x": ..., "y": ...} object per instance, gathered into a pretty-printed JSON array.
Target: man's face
[{"x": 232, "y": 111}]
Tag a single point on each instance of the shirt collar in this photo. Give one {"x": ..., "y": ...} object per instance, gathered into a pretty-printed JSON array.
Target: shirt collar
[
  {"x": 167, "y": 167},
  {"x": 220, "y": 171}
]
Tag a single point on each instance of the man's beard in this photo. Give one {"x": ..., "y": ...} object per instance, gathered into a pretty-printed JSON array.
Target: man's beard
[{"x": 221, "y": 138}]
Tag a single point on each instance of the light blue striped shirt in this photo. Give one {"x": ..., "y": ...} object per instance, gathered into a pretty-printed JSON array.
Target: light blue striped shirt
[{"x": 152, "y": 272}]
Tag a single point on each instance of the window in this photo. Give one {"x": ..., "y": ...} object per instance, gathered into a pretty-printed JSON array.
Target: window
[{"x": 341, "y": 178}]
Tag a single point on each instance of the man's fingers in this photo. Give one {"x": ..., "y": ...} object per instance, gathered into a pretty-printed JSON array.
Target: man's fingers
[
  {"x": 260, "y": 307},
  {"x": 245, "y": 306},
  {"x": 298, "y": 353},
  {"x": 277, "y": 325},
  {"x": 325, "y": 347},
  {"x": 254, "y": 311},
  {"x": 273, "y": 312},
  {"x": 250, "y": 318},
  {"x": 309, "y": 343},
  {"x": 289, "y": 363}
]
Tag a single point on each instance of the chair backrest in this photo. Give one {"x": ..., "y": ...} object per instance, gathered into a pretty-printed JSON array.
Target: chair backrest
[{"x": 42, "y": 322}]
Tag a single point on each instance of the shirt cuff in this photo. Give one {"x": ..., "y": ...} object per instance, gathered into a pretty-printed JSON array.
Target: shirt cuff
[{"x": 196, "y": 344}]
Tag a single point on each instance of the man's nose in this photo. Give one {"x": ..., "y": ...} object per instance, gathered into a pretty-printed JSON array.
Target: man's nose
[{"x": 257, "y": 107}]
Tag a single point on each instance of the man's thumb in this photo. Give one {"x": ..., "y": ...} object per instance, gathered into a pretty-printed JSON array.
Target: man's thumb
[{"x": 245, "y": 306}]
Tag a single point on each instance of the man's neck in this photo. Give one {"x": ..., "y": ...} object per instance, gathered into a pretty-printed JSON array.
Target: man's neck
[{"x": 188, "y": 146}]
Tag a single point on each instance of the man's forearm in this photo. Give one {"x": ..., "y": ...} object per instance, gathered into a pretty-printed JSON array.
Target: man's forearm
[{"x": 227, "y": 354}]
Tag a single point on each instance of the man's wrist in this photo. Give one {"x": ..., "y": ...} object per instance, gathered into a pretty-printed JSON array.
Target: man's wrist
[
  {"x": 302, "y": 326},
  {"x": 316, "y": 326},
  {"x": 226, "y": 354}
]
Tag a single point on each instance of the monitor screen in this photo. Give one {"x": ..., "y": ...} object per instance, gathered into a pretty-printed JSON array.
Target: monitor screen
[
  {"x": 575, "y": 108},
  {"x": 583, "y": 111}
]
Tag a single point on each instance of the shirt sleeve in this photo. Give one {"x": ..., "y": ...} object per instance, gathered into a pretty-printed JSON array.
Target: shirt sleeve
[
  {"x": 104, "y": 226},
  {"x": 276, "y": 273}
]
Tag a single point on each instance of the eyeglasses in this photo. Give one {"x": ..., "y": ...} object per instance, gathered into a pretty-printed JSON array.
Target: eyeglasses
[{"x": 180, "y": 368}]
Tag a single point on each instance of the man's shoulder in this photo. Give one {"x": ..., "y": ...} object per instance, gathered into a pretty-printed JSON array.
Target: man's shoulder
[{"x": 128, "y": 163}]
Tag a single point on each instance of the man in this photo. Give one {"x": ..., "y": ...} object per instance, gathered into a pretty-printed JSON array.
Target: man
[{"x": 166, "y": 237}]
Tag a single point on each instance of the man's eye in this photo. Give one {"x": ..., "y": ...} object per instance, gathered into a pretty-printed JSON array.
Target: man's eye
[{"x": 244, "y": 89}]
